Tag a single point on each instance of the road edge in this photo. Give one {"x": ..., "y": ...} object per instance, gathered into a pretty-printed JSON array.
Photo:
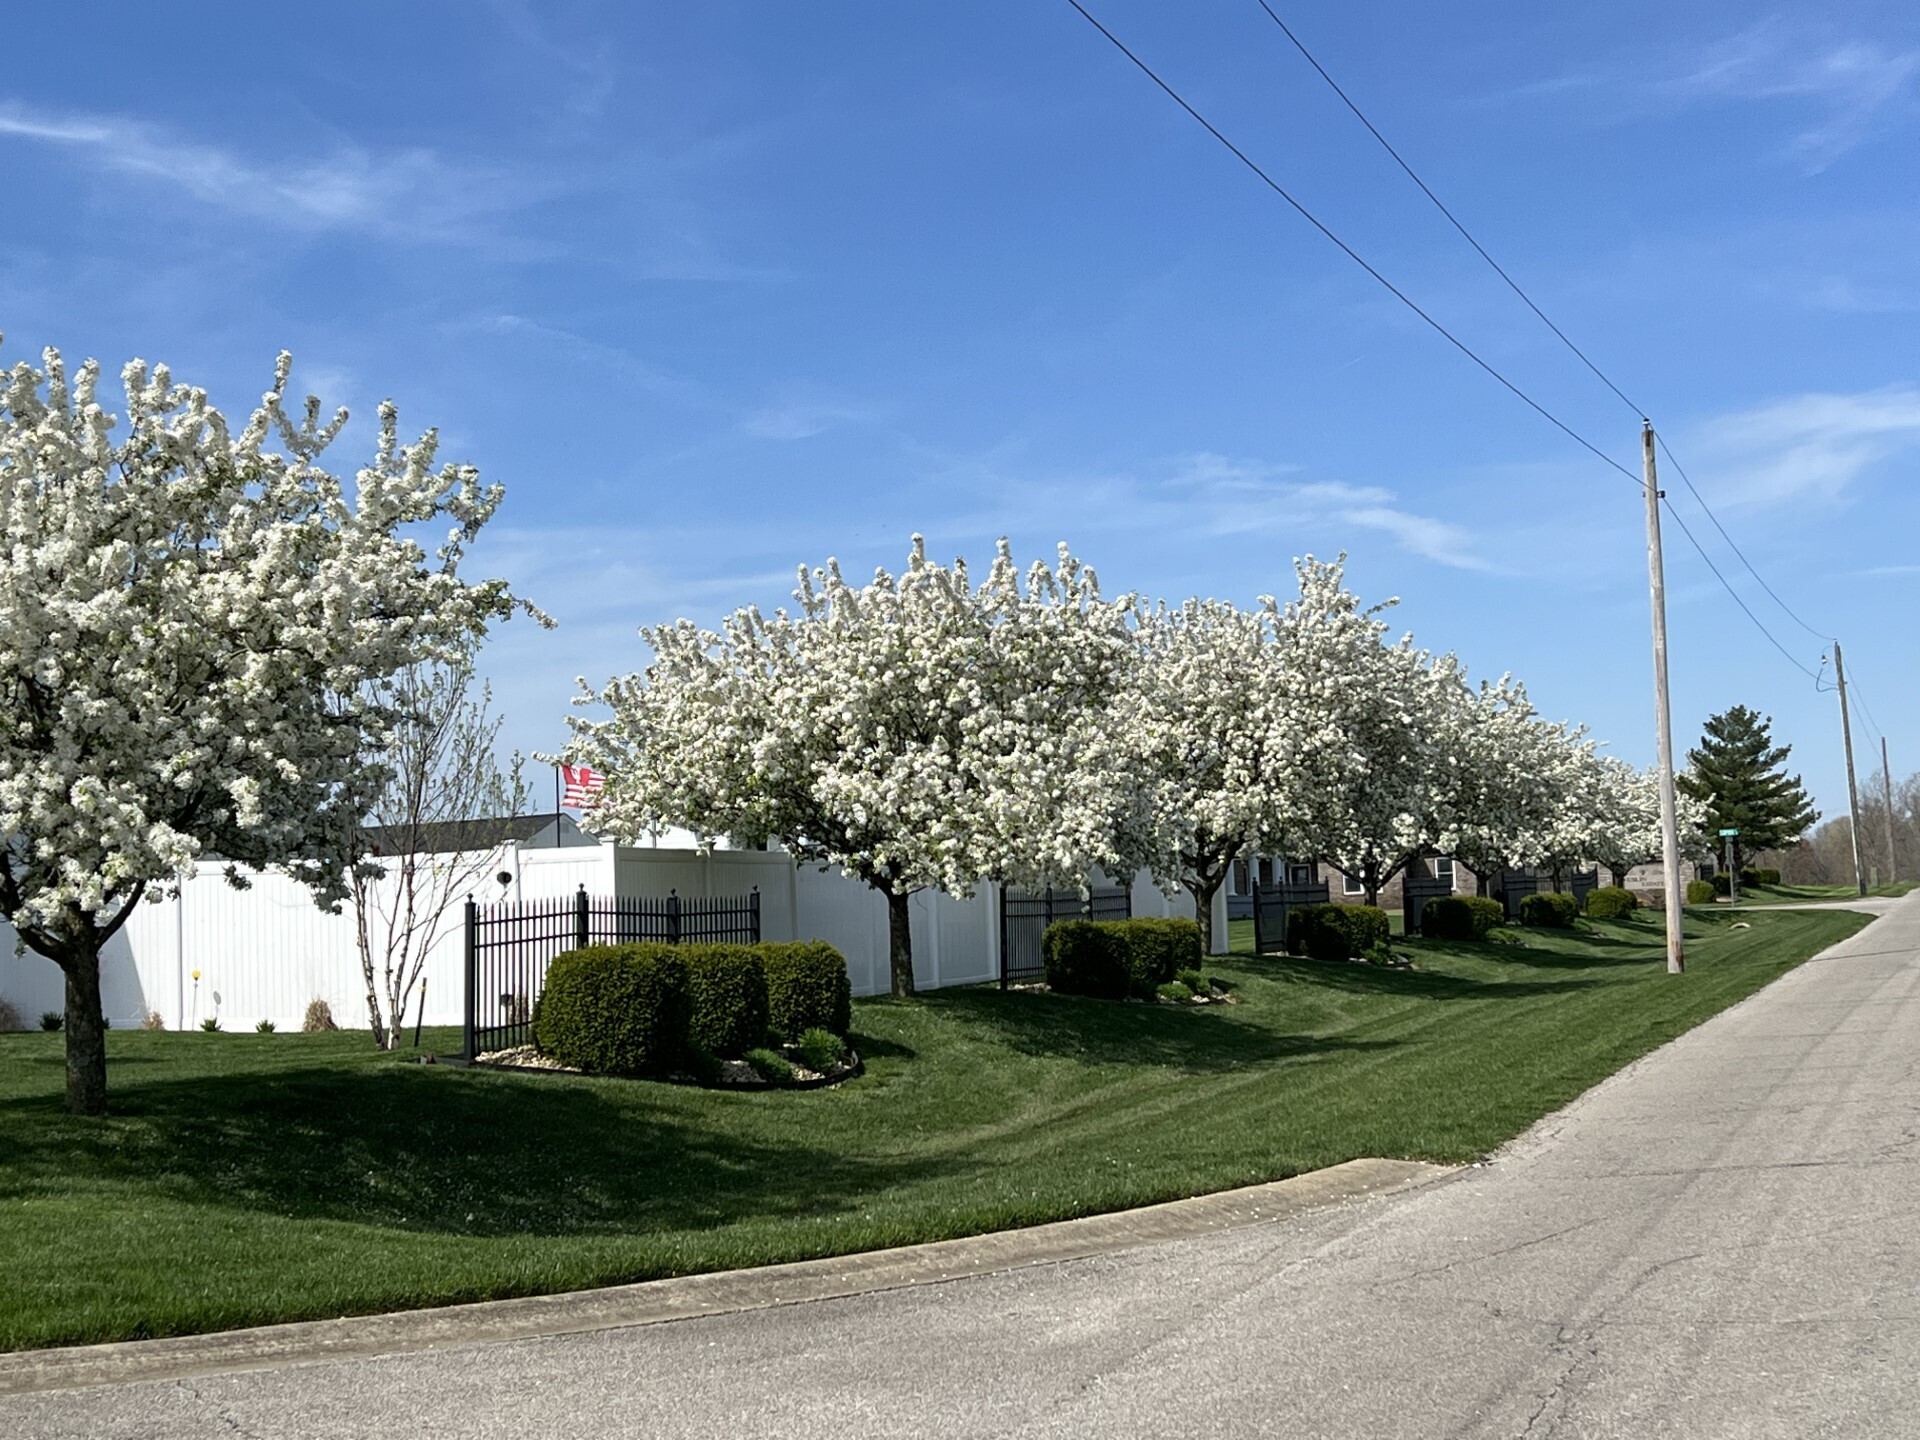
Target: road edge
[{"x": 687, "y": 1297}]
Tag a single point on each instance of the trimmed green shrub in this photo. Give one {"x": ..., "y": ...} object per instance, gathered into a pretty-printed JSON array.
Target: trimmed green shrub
[
  {"x": 1488, "y": 914},
  {"x": 820, "y": 1049},
  {"x": 1448, "y": 918},
  {"x": 807, "y": 985},
  {"x": 1722, "y": 883},
  {"x": 1549, "y": 910},
  {"x": 770, "y": 1067},
  {"x": 1158, "y": 949},
  {"x": 616, "y": 1009},
  {"x": 1701, "y": 892},
  {"x": 52, "y": 1020},
  {"x": 727, "y": 998},
  {"x": 1336, "y": 932},
  {"x": 1111, "y": 959},
  {"x": 265, "y": 1027},
  {"x": 1611, "y": 902},
  {"x": 1085, "y": 957},
  {"x": 1173, "y": 990},
  {"x": 1193, "y": 980},
  {"x": 1767, "y": 875}
]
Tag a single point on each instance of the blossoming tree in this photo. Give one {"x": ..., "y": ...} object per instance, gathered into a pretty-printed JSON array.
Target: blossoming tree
[
  {"x": 918, "y": 731},
  {"x": 187, "y": 618},
  {"x": 1373, "y": 763}
]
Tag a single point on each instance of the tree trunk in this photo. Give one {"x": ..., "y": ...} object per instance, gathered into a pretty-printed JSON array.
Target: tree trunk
[
  {"x": 1203, "y": 892},
  {"x": 1618, "y": 875},
  {"x": 375, "y": 1018},
  {"x": 86, "y": 1033},
  {"x": 900, "y": 943}
]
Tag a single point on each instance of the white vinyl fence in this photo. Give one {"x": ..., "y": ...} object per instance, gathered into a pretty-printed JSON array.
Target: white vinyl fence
[{"x": 266, "y": 951}]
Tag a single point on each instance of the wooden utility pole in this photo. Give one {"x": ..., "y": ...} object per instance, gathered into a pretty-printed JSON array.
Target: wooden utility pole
[
  {"x": 1663, "y": 713},
  {"x": 1886, "y": 779},
  {"x": 1853, "y": 794}
]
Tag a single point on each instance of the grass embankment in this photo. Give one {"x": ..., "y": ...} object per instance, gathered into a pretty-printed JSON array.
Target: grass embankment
[
  {"x": 1808, "y": 894},
  {"x": 252, "y": 1178}
]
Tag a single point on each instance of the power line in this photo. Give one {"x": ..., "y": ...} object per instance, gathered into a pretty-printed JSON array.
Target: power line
[
  {"x": 1701, "y": 501},
  {"x": 1452, "y": 219},
  {"x": 1350, "y": 252},
  {"x": 1771, "y": 638},
  {"x": 1564, "y": 339}
]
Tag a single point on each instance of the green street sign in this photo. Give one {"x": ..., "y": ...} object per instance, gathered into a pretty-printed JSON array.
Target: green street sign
[{"x": 1729, "y": 832}]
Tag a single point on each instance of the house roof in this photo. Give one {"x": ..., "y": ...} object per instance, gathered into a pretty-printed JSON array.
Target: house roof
[{"x": 450, "y": 836}]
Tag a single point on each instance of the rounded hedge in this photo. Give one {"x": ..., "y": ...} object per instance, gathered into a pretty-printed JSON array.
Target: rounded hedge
[
  {"x": 1768, "y": 875},
  {"x": 1336, "y": 932},
  {"x": 807, "y": 987},
  {"x": 1611, "y": 902},
  {"x": 1112, "y": 959},
  {"x": 727, "y": 995},
  {"x": 1701, "y": 892},
  {"x": 1549, "y": 910},
  {"x": 615, "y": 1009},
  {"x": 1452, "y": 917}
]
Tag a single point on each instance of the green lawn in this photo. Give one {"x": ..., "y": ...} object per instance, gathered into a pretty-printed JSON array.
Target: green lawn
[
  {"x": 249, "y": 1178},
  {"x": 1801, "y": 894}
]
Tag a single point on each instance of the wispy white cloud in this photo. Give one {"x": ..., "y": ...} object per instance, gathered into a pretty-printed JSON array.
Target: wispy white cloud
[
  {"x": 1247, "y": 497},
  {"x": 1861, "y": 87},
  {"x": 588, "y": 65},
  {"x": 1857, "y": 89},
  {"x": 1201, "y": 494},
  {"x": 803, "y": 420},
  {"x": 1806, "y": 446},
  {"x": 406, "y": 193},
  {"x": 1845, "y": 296}
]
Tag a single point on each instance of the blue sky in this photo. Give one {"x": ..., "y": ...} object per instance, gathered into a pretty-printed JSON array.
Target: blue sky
[{"x": 718, "y": 289}]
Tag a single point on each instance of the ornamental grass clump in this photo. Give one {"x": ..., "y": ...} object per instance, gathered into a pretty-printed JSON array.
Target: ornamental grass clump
[
  {"x": 771, "y": 1066},
  {"x": 820, "y": 1050}
]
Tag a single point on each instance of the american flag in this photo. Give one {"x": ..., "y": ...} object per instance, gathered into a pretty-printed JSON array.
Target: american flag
[{"x": 583, "y": 783}]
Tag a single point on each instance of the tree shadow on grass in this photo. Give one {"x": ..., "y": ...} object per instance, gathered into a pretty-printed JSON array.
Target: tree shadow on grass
[
  {"x": 1422, "y": 984},
  {"x": 1197, "y": 1038},
  {"x": 449, "y": 1150}
]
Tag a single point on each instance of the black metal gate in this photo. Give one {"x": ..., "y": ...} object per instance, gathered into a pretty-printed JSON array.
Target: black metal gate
[
  {"x": 1583, "y": 883},
  {"x": 1515, "y": 886},
  {"x": 1415, "y": 892},
  {"x": 510, "y": 946},
  {"x": 1270, "y": 906},
  {"x": 1024, "y": 920}
]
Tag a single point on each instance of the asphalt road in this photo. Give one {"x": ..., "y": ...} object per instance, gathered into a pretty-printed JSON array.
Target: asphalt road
[{"x": 1717, "y": 1242}]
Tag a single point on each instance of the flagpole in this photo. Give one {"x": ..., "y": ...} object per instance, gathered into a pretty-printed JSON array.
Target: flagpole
[{"x": 556, "y": 807}]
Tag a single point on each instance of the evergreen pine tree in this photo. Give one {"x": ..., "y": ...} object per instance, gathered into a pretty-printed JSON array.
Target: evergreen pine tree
[{"x": 1738, "y": 773}]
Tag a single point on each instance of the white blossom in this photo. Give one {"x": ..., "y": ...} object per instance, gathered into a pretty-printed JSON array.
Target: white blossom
[
  {"x": 917, "y": 731},
  {"x": 187, "y": 617}
]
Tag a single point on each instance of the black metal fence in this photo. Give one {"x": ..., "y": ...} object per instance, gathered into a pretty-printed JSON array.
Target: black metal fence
[
  {"x": 1416, "y": 891},
  {"x": 510, "y": 946},
  {"x": 1270, "y": 906},
  {"x": 1024, "y": 920}
]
